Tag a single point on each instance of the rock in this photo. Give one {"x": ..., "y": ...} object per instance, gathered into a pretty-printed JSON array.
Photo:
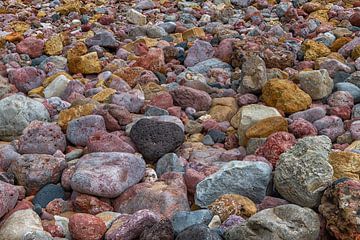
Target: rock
[
  {"x": 54, "y": 46},
  {"x": 184, "y": 219},
  {"x": 283, "y": 222},
  {"x": 161, "y": 230},
  {"x": 38, "y": 235},
  {"x": 232, "y": 204},
  {"x": 253, "y": 79},
  {"x": 136, "y": 17},
  {"x": 8, "y": 154},
  {"x": 86, "y": 226},
  {"x": 310, "y": 115},
  {"x": 315, "y": 50},
  {"x": 132, "y": 100},
  {"x": 31, "y": 46},
  {"x": 170, "y": 162},
  {"x": 349, "y": 87},
  {"x": 223, "y": 109},
  {"x": 303, "y": 172},
  {"x": 205, "y": 66},
  {"x": 341, "y": 98},
  {"x": 102, "y": 141},
  {"x": 331, "y": 126},
  {"x": 154, "y": 60},
  {"x": 199, "y": 52},
  {"x": 107, "y": 174},
  {"x": 89, "y": 204},
  {"x": 79, "y": 61},
  {"x": 339, "y": 206},
  {"x": 26, "y": 78},
  {"x": 249, "y": 115},
  {"x": 355, "y": 130},
  {"x": 270, "y": 202},
  {"x": 302, "y": 128},
  {"x": 34, "y": 171},
  {"x": 266, "y": 127},
  {"x": 346, "y": 49},
  {"x": 19, "y": 223},
  {"x": 165, "y": 197},
  {"x": 285, "y": 96},
  {"x": 103, "y": 39},
  {"x": 275, "y": 145},
  {"x": 65, "y": 116},
  {"x": 41, "y": 138},
  {"x": 317, "y": 83},
  {"x": 131, "y": 227},
  {"x": 47, "y": 194},
  {"x": 249, "y": 179},
  {"x": 108, "y": 217},
  {"x": 189, "y": 97},
  {"x": 79, "y": 130},
  {"x": 57, "y": 87},
  {"x": 154, "y": 138},
  {"x": 198, "y": 231},
  {"x": 334, "y": 66},
  {"x": 17, "y": 112},
  {"x": 345, "y": 164},
  {"x": 9, "y": 195}
]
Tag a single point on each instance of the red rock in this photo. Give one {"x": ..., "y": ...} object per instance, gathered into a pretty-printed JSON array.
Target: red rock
[
  {"x": 89, "y": 204},
  {"x": 26, "y": 78},
  {"x": 58, "y": 206},
  {"x": 163, "y": 100},
  {"x": 102, "y": 141},
  {"x": 246, "y": 99},
  {"x": 275, "y": 145},
  {"x": 174, "y": 111},
  {"x": 154, "y": 60},
  {"x": 341, "y": 98},
  {"x": 189, "y": 97},
  {"x": 53, "y": 229},
  {"x": 270, "y": 202},
  {"x": 355, "y": 19},
  {"x": 301, "y": 128},
  {"x": 195, "y": 173},
  {"x": 343, "y": 112},
  {"x": 32, "y": 46},
  {"x": 106, "y": 19},
  {"x": 225, "y": 49},
  {"x": 8, "y": 197},
  {"x": 140, "y": 49},
  {"x": 85, "y": 226},
  {"x": 66, "y": 177}
]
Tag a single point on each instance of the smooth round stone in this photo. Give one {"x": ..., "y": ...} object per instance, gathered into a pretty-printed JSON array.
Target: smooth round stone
[
  {"x": 351, "y": 88},
  {"x": 47, "y": 194}
]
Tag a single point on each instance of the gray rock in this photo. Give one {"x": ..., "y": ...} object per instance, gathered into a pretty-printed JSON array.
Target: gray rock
[
  {"x": 102, "y": 39},
  {"x": 17, "y": 111},
  {"x": 107, "y": 174},
  {"x": 316, "y": 83},
  {"x": 133, "y": 100},
  {"x": 253, "y": 75},
  {"x": 286, "y": 222},
  {"x": 8, "y": 154},
  {"x": 170, "y": 162},
  {"x": 356, "y": 111},
  {"x": 37, "y": 235},
  {"x": 169, "y": 27},
  {"x": 199, "y": 52},
  {"x": 303, "y": 172},
  {"x": 310, "y": 115},
  {"x": 351, "y": 88},
  {"x": 155, "y": 32},
  {"x": 246, "y": 178},
  {"x": 184, "y": 219},
  {"x": 205, "y": 66}
]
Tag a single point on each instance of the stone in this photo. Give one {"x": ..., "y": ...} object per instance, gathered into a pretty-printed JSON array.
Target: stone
[
  {"x": 285, "y": 96},
  {"x": 79, "y": 130},
  {"x": 154, "y": 138},
  {"x": 47, "y": 194},
  {"x": 346, "y": 49},
  {"x": 249, "y": 179},
  {"x": 199, "y": 52},
  {"x": 107, "y": 174},
  {"x": 193, "y": 33},
  {"x": 253, "y": 79},
  {"x": 232, "y": 204},
  {"x": 54, "y": 45},
  {"x": 8, "y": 154},
  {"x": 79, "y": 61},
  {"x": 223, "y": 109},
  {"x": 89, "y": 204},
  {"x": 67, "y": 115},
  {"x": 34, "y": 171},
  {"x": 131, "y": 227},
  {"x": 103, "y": 39},
  {"x": 166, "y": 196},
  {"x": 170, "y": 162},
  {"x": 345, "y": 164},
  {"x": 275, "y": 145},
  {"x": 189, "y": 97},
  {"x": 153, "y": 60},
  {"x": 9, "y": 195},
  {"x": 340, "y": 98},
  {"x": 19, "y": 223},
  {"x": 102, "y": 141},
  {"x": 310, "y": 115},
  {"x": 17, "y": 112},
  {"x": 333, "y": 66},
  {"x": 302, "y": 128},
  {"x": 132, "y": 100},
  {"x": 317, "y": 83},
  {"x": 108, "y": 217},
  {"x": 136, "y": 17},
  {"x": 41, "y": 138},
  {"x": 86, "y": 226},
  {"x": 57, "y": 87},
  {"x": 283, "y": 222},
  {"x": 303, "y": 172},
  {"x": 314, "y": 50},
  {"x": 198, "y": 231},
  {"x": 249, "y": 115},
  {"x": 355, "y": 130},
  {"x": 31, "y": 46},
  {"x": 266, "y": 127},
  {"x": 270, "y": 202},
  {"x": 184, "y": 219},
  {"x": 339, "y": 206},
  {"x": 161, "y": 230},
  {"x": 26, "y": 78},
  {"x": 331, "y": 126}
]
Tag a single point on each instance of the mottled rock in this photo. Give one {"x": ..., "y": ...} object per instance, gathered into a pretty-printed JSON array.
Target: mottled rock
[
  {"x": 102, "y": 141},
  {"x": 184, "y": 219},
  {"x": 302, "y": 128},
  {"x": 199, "y": 52},
  {"x": 86, "y": 226},
  {"x": 310, "y": 115},
  {"x": 345, "y": 164},
  {"x": 26, "y": 78},
  {"x": 162, "y": 230},
  {"x": 132, "y": 100},
  {"x": 89, "y": 204},
  {"x": 317, "y": 83},
  {"x": 47, "y": 194},
  {"x": 189, "y": 97},
  {"x": 31, "y": 46},
  {"x": 331, "y": 126},
  {"x": 8, "y": 197},
  {"x": 198, "y": 231},
  {"x": 266, "y": 127},
  {"x": 253, "y": 78},
  {"x": 170, "y": 162}
]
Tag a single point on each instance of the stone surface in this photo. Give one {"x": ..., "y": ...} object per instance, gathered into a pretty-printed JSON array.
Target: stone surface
[
  {"x": 198, "y": 231},
  {"x": 47, "y": 194},
  {"x": 345, "y": 164},
  {"x": 86, "y": 226},
  {"x": 8, "y": 197},
  {"x": 253, "y": 78},
  {"x": 199, "y": 52},
  {"x": 184, "y": 219},
  {"x": 189, "y": 97},
  {"x": 107, "y": 174},
  {"x": 317, "y": 83},
  {"x": 161, "y": 230}
]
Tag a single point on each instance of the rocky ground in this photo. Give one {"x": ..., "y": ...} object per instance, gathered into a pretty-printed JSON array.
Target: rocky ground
[{"x": 186, "y": 120}]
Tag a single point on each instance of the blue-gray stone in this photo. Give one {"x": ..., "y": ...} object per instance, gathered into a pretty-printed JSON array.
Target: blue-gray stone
[
  {"x": 351, "y": 88},
  {"x": 356, "y": 111},
  {"x": 170, "y": 162},
  {"x": 156, "y": 111},
  {"x": 47, "y": 194},
  {"x": 249, "y": 179},
  {"x": 217, "y": 135},
  {"x": 198, "y": 231},
  {"x": 341, "y": 76},
  {"x": 184, "y": 219},
  {"x": 204, "y": 66},
  {"x": 208, "y": 141}
]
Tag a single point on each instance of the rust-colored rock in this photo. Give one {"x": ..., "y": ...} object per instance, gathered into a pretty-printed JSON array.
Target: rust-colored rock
[
  {"x": 85, "y": 226},
  {"x": 266, "y": 127}
]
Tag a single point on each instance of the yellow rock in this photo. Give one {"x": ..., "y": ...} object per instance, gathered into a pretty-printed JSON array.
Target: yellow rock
[
  {"x": 197, "y": 137},
  {"x": 104, "y": 95},
  {"x": 36, "y": 91},
  {"x": 70, "y": 6},
  {"x": 54, "y": 45},
  {"x": 345, "y": 164},
  {"x": 266, "y": 127},
  {"x": 19, "y": 26},
  {"x": 285, "y": 96},
  {"x": 355, "y": 53},
  {"x": 178, "y": 37},
  {"x": 129, "y": 74},
  {"x": 321, "y": 15},
  {"x": 48, "y": 80},
  {"x": 14, "y": 37},
  {"x": 223, "y": 109},
  {"x": 151, "y": 90},
  {"x": 355, "y": 145},
  {"x": 149, "y": 42},
  {"x": 41, "y": 14},
  {"x": 192, "y": 33},
  {"x": 233, "y": 204},
  {"x": 80, "y": 62},
  {"x": 315, "y": 50},
  {"x": 338, "y": 43},
  {"x": 67, "y": 115}
]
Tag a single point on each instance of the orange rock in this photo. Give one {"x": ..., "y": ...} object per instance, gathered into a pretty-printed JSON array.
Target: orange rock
[
  {"x": 14, "y": 37},
  {"x": 266, "y": 127},
  {"x": 338, "y": 43},
  {"x": 67, "y": 115},
  {"x": 129, "y": 74},
  {"x": 154, "y": 60}
]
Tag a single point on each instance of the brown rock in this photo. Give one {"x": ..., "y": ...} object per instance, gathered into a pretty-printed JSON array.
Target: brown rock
[
  {"x": 90, "y": 204},
  {"x": 223, "y": 109},
  {"x": 266, "y": 127},
  {"x": 85, "y": 226},
  {"x": 345, "y": 164},
  {"x": 69, "y": 114}
]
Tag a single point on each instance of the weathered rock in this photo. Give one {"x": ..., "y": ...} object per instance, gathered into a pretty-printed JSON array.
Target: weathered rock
[
  {"x": 86, "y": 226},
  {"x": 154, "y": 138},
  {"x": 16, "y": 113},
  {"x": 249, "y": 179},
  {"x": 8, "y": 197},
  {"x": 8, "y": 154},
  {"x": 303, "y": 172},
  {"x": 107, "y": 174},
  {"x": 345, "y": 164},
  {"x": 199, "y": 52},
  {"x": 189, "y": 97},
  {"x": 161, "y": 230},
  {"x": 26, "y": 78},
  {"x": 89, "y": 204},
  {"x": 184, "y": 219},
  {"x": 253, "y": 75},
  {"x": 266, "y": 127},
  {"x": 223, "y": 109},
  {"x": 57, "y": 87},
  {"x": 136, "y": 17},
  {"x": 198, "y": 231},
  {"x": 317, "y": 83},
  {"x": 31, "y": 46},
  {"x": 282, "y": 222},
  {"x": 47, "y": 194},
  {"x": 132, "y": 100},
  {"x": 331, "y": 126}
]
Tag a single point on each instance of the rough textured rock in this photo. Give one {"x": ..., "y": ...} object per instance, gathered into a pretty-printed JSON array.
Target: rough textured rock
[
  {"x": 162, "y": 230},
  {"x": 199, "y": 52},
  {"x": 249, "y": 179},
  {"x": 17, "y": 112},
  {"x": 26, "y": 78},
  {"x": 198, "y": 231},
  {"x": 253, "y": 75},
  {"x": 154, "y": 139},
  {"x": 89, "y": 204},
  {"x": 8, "y": 197},
  {"x": 184, "y": 219},
  {"x": 303, "y": 172},
  {"x": 317, "y": 83},
  {"x": 190, "y": 97},
  {"x": 266, "y": 127},
  {"x": 107, "y": 174},
  {"x": 47, "y": 194},
  {"x": 345, "y": 164},
  {"x": 86, "y": 226},
  {"x": 288, "y": 222},
  {"x": 340, "y": 207}
]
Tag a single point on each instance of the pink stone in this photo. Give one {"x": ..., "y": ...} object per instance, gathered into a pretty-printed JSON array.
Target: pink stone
[{"x": 31, "y": 46}]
